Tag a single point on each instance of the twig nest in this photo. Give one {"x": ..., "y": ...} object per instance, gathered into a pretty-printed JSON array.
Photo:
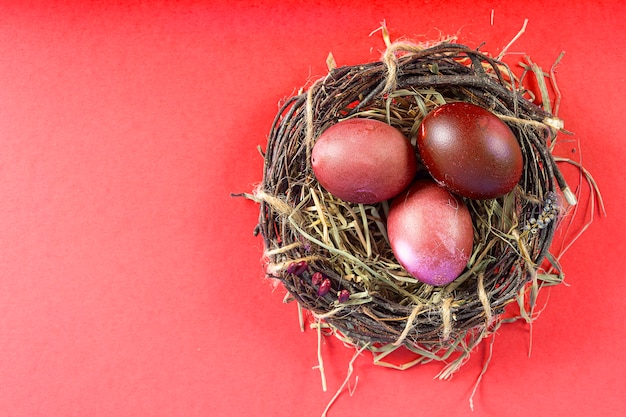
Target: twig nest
[{"x": 334, "y": 257}]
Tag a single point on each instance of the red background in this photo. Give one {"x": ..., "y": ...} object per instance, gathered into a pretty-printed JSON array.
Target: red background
[{"x": 130, "y": 282}]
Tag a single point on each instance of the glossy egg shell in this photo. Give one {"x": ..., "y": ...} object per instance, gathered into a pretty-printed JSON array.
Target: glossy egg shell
[
  {"x": 430, "y": 231},
  {"x": 363, "y": 161},
  {"x": 470, "y": 151}
]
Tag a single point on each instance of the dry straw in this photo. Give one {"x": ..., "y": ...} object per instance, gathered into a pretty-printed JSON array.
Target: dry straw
[{"x": 310, "y": 234}]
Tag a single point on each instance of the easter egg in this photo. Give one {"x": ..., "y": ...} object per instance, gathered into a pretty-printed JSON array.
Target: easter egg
[
  {"x": 470, "y": 151},
  {"x": 430, "y": 232},
  {"x": 363, "y": 161}
]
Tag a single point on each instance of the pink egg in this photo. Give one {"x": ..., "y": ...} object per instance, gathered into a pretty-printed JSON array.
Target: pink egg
[
  {"x": 431, "y": 233},
  {"x": 363, "y": 161}
]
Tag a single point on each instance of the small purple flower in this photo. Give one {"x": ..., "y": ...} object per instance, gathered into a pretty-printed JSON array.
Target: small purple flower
[
  {"x": 317, "y": 278},
  {"x": 297, "y": 268},
  {"x": 324, "y": 287},
  {"x": 343, "y": 296},
  {"x": 305, "y": 244}
]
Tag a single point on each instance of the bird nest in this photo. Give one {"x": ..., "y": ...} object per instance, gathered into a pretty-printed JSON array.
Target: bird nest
[{"x": 334, "y": 257}]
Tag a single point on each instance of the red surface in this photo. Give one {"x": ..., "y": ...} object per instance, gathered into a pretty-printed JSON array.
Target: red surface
[{"x": 130, "y": 281}]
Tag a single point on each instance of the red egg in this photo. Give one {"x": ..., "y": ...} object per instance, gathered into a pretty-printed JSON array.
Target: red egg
[
  {"x": 363, "y": 161},
  {"x": 430, "y": 232},
  {"x": 470, "y": 151}
]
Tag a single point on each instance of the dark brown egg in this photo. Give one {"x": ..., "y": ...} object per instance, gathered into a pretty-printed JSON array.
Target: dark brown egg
[
  {"x": 430, "y": 231},
  {"x": 470, "y": 151},
  {"x": 363, "y": 161}
]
